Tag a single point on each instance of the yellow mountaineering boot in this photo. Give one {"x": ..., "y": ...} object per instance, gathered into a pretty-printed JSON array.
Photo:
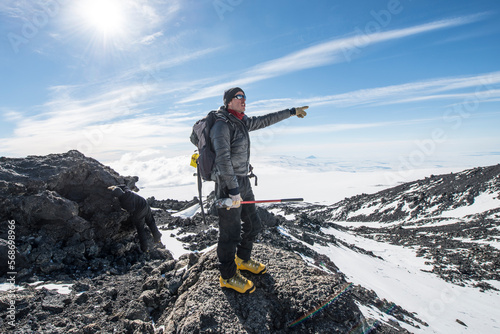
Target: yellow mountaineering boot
[
  {"x": 250, "y": 265},
  {"x": 237, "y": 283}
]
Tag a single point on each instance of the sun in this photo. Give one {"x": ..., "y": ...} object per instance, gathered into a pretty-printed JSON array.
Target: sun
[{"x": 104, "y": 17}]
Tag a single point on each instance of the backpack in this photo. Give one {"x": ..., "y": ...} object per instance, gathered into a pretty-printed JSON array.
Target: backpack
[
  {"x": 204, "y": 160},
  {"x": 200, "y": 137}
]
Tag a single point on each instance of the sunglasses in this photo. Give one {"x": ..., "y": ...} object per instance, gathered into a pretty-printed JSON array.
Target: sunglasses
[{"x": 240, "y": 96}]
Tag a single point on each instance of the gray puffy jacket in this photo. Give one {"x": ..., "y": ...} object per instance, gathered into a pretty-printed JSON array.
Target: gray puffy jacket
[{"x": 231, "y": 143}]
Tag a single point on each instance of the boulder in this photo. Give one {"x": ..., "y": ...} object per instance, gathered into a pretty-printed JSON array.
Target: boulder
[
  {"x": 66, "y": 220},
  {"x": 286, "y": 294}
]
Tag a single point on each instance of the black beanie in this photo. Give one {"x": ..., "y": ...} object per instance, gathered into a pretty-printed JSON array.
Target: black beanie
[{"x": 230, "y": 93}]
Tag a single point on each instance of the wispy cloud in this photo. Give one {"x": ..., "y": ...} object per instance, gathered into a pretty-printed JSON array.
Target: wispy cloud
[
  {"x": 151, "y": 73},
  {"x": 105, "y": 141},
  {"x": 19, "y": 9},
  {"x": 334, "y": 51},
  {"x": 186, "y": 57},
  {"x": 107, "y": 123},
  {"x": 146, "y": 16},
  {"x": 149, "y": 39},
  {"x": 338, "y": 50},
  {"x": 483, "y": 87}
]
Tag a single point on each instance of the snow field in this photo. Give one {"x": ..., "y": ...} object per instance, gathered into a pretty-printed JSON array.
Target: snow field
[
  {"x": 482, "y": 202},
  {"x": 399, "y": 278}
]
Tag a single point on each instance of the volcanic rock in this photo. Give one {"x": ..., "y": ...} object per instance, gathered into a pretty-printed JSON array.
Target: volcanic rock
[{"x": 66, "y": 220}]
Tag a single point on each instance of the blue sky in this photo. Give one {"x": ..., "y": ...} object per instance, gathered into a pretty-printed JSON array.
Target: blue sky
[{"x": 406, "y": 84}]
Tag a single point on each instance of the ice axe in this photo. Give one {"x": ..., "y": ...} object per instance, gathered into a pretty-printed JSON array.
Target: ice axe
[{"x": 227, "y": 202}]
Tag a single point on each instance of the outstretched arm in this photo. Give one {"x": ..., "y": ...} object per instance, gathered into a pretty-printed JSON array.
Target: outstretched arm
[{"x": 259, "y": 122}]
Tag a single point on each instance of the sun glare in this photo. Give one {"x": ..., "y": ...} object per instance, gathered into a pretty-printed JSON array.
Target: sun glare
[{"x": 105, "y": 17}]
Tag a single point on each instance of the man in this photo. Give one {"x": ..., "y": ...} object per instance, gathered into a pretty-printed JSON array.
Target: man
[
  {"x": 140, "y": 214},
  {"x": 231, "y": 143}
]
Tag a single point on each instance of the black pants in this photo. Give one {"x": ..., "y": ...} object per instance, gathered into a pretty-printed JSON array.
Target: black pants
[
  {"x": 151, "y": 223},
  {"x": 141, "y": 218},
  {"x": 237, "y": 229}
]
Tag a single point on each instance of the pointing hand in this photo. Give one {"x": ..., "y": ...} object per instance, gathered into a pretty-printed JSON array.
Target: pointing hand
[{"x": 300, "y": 111}]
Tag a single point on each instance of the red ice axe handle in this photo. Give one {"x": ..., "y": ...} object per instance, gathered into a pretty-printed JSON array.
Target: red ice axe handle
[
  {"x": 227, "y": 202},
  {"x": 274, "y": 200}
]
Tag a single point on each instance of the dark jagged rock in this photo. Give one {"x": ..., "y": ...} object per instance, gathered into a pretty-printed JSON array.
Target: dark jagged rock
[
  {"x": 171, "y": 204},
  {"x": 66, "y": 220},
  {"x": 288, "y": 292}
]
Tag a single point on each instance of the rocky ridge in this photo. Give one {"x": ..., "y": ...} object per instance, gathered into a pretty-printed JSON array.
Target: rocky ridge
[
  {"x": 421, "y": 200},
  {"x": 66, "y": 222}
]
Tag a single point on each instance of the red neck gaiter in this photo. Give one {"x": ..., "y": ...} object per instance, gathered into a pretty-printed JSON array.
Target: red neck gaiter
[{"x": 238, "y": 115}]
